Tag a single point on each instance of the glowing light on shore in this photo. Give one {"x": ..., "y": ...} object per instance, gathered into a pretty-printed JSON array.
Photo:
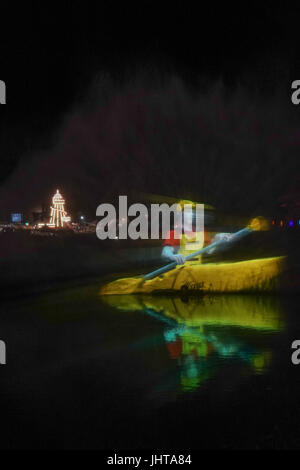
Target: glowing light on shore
[{"x": 58, "y": 214}]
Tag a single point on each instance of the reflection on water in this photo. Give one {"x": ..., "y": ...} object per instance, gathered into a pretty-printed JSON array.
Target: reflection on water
[
  {"x": 144, "y": 371},
  {"x": 202, "y": 334}
]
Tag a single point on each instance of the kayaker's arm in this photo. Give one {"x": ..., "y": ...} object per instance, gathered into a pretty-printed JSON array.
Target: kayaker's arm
[{"x": 168, "y": 254}]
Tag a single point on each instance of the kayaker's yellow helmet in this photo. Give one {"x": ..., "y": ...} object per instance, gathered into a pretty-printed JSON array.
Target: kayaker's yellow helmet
[{"x": 185, "y": 202}]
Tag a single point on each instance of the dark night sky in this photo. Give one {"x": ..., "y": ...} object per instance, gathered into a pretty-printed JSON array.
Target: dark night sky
[{"x": 86, "y": 82}]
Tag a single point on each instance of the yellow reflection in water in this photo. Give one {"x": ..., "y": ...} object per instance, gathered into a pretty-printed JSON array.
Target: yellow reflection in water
[
  {"x": 247, "y": 311},
  {"x": 203, "y": 332}
]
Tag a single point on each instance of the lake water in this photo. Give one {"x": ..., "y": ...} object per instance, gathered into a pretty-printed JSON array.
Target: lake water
[{"x": 135, "y": 372}]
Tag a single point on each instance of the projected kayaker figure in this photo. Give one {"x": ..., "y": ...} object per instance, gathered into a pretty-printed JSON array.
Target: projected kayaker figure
[{"x": 189, "y": 241}]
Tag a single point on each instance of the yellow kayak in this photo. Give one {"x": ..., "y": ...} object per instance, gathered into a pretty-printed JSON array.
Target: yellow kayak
[{"x": 257, "y": 275}]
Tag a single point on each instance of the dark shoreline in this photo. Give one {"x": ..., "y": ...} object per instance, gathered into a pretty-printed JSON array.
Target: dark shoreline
[{"x": 31, "y": 264}]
